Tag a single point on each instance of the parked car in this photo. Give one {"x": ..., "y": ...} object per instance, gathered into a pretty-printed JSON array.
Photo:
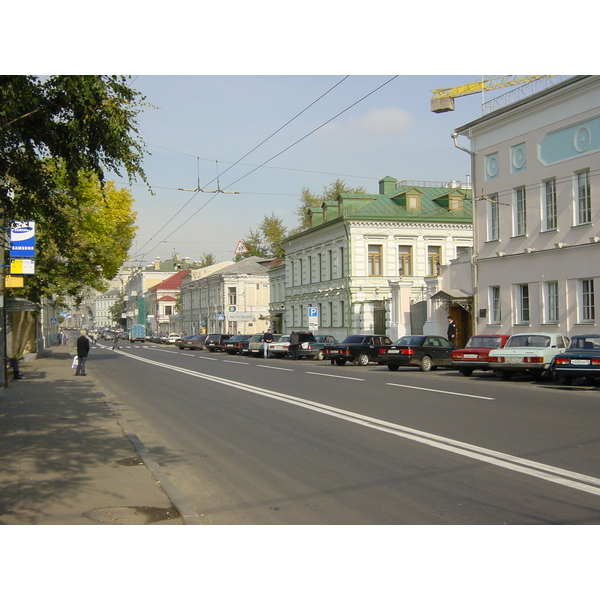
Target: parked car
[
  {"x": 172, "y": 338},
  {"x": 237, "y": 344},
  {"x": 475, "y": 354},
  {"x": 214, "y": 341},
  {"x": 315, "y": 349},
  {"x": 580, "y": 360},
  {"x": 530, "y": 353},
  {"x": 256, "y": 344},
  {"x": 192, "y": 342},
  {"x": 360, "y": 349},
  {"x": 158, "y": 338},
  {"x": 279, "y": 347},
  {"x": 428, "y": 352}
]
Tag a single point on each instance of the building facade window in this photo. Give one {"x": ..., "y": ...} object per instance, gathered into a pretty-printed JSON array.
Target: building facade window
[
  {"x": 520, "y": 212},
  {"x": 522, "y": 301},
  {"x": 405, "y": 261},
  {"x": 493, "y": 219},
  {"x": 434, "y": 260},
  {"x": 583, "y": 208},
  {"x": 549, "y": 212},
  {"x": 587, "y": 301},
  {"x": 413, "y": 203},
  {"x": 495, "y": 306},
  {"x": 374, "y": 260},
  {"x": 551, "y": 302},
  {"x": 232, "y": 295}
]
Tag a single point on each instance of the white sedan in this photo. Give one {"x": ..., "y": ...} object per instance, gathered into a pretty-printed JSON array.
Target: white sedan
[
  {"x": 530, "y": 353},
  {"x": 172, "y": 338}
]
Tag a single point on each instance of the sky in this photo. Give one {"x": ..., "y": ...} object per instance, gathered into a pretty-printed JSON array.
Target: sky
[{"x": 217, "y": 129}]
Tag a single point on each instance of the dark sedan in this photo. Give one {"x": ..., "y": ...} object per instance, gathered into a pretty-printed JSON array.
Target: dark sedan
[
  {"x": 428, "y": 352},
  {"x": 359, "y": 349},
  {"x": 580, "y": 360},
  {"x": 236, "y": 344},
  {"x": 192, "y": 342}
]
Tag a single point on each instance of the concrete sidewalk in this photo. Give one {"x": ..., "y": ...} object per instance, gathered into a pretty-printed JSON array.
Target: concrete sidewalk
[{"x": 67, "y": 457}]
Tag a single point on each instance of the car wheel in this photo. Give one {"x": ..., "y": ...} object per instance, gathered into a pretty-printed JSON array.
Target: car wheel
[
  {"x": 362, "y": 360},
  {"x": 340, "y": 362},
  {"x": 426, "y": 364},
  {"x": 466, "y": 372},
  {"x": 318, "y": 356},
  {"x": 393, "y": 367}
]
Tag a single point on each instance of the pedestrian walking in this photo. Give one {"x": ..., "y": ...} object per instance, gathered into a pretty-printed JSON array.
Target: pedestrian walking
[
  {"x": 293, "y": 347},
  {"x": 83, "y": 349},
  {"x": 116, "y": 341},
  {"x": 64, "y": 338},
  {"x": 267, "y": 341},
  {"x": 451, "y": 334}
]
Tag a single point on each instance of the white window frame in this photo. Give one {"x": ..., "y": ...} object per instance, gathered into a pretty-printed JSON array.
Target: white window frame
[
  {"x": 583, "y": 198},
  {"x": 586, "y": 301},
  {"x": 493, "y": 218},
  {"x": 522, "y": 303},
  {"x": 549, "y": 205},
  {"x": 519, "y": 212},
  {"x": 551, "y": 302},
  {"x": 495, "y": 303}
]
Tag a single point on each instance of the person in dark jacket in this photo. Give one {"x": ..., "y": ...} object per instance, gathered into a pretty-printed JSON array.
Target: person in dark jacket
[
  {"x": 83, "y": 349},
  {"x": 293, "y": 347},
  {"x": 451, "y": 333},
  {"x": 267, "y": 340}
]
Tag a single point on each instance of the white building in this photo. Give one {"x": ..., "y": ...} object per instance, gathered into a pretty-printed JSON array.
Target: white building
[
  {"x": 363, "y": 262},
  {"x": 231, "y": 298},
  {"x": 537, "y": 214}
]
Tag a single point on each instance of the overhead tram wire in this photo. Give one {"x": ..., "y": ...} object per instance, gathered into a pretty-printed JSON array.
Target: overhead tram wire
[
  {"x": 282, "y": 151},
  {"x": 245, "y": 155}
]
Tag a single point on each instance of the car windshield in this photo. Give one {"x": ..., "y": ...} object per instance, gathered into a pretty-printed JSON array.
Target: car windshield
[
  {"x": 522, "y": 341},
  {"x": 410, "y": 340},
  {"x": 484, "y": 341}
]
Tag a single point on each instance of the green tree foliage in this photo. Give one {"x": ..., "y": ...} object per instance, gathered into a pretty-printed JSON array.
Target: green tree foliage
[
  {"x": 330, "y": 192},
  {"x": 86, "y": 240},
  {"x": 266, "y": 240},
  {"x": 86, "y": 123},
  {"x": 206, "y": 260},
  {"x": 117, "y": 309}
]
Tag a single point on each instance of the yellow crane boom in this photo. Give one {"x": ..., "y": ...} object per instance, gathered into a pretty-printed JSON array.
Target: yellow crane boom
[{"x": 443, "y": 99}]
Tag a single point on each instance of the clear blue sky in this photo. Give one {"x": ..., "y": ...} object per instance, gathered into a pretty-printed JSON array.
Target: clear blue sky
[{"x": 204, "y": 124}]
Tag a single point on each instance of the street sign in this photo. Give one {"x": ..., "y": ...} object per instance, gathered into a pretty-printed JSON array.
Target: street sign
[
  {"x": 313, "y": 318},
  {"x": 22, "y": 266},
  {"x": 240, "y": 248},
  {"x": 22, "y": 239}
]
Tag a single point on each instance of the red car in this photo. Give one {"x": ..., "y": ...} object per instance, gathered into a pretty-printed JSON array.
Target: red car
[{"x": 475, "y": 354}]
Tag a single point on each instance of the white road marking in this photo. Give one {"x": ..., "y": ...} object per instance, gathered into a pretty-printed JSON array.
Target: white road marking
[
  {"x": 413, "y": 387},
  {"x": 276, "y": 368},
  {"x": 337, "y": 376},
  {"x": 571, "y": 479}
]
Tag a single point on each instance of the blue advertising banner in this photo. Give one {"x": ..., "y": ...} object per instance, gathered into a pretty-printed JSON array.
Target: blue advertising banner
[{"x": 22, "y": 239}]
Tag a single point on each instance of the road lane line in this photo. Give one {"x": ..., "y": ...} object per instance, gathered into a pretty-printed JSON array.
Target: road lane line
[
  {"x": 413, "y": 387},
  {"x": 337, "y": 376},
  {"x": 276, "y": 368},
  {"x": 563, "y": 477}
]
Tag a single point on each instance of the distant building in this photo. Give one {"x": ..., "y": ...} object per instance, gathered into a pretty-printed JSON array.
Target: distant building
[
  {"x": 231, "y": 298},
  {"x": 141, "y": 280},
  {"x": 102, "y": 306},
  {"x": 161, "y": 302}
]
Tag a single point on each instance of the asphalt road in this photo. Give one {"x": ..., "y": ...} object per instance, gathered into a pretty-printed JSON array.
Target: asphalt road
[{"x": 254, "y": 441}]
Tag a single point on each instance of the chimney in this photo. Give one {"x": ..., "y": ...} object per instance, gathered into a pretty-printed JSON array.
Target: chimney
[
  {"x": 157, "y": 264},
  {"x": 387, "y": 185}
]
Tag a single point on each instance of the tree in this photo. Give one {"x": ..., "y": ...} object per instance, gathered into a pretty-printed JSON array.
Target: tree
[
  {"x": 118, "y": 308},
  {"x": 86, "y": 123},
  {"x": 85, "y": 242},
  {"x": 206, "y": 260},
  {"x": 266, "y": 241},
  {"x": 330, "y": 192}
]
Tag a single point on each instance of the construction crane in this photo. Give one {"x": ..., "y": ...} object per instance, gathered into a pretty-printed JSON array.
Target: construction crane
[{"x": 443, "y": 99}]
